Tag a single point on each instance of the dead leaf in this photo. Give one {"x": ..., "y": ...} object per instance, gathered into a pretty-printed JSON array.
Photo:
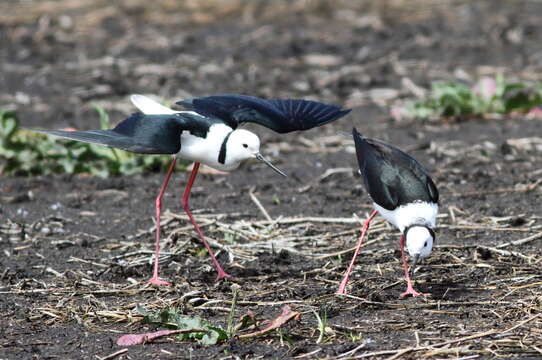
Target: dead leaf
[
  {"x": 286, "y": 315},
  {"x": 138, "y": 339}
]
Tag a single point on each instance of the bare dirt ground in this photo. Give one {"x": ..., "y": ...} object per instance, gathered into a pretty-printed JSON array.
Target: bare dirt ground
[{"x": 76, "y": 251}]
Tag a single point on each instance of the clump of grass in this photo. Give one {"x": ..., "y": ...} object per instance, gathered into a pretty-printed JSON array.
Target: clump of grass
[
  {"x": 489, "y": 97},
  {"x": 321, "y": 317},
  {"x": 23, "y": 152}
]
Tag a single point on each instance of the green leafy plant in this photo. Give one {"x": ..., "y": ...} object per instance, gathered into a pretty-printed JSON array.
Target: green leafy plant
[
  {"x": 23, "y": 152},
  {"x": 202, "y": 330},
  {"x": 195, "y": 328},
  {"x": 488, "y": 97}
]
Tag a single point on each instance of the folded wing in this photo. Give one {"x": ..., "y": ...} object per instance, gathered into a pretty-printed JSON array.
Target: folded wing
[
  {"x": 392, "y": 177},
  {"x": 140, "y": 133}
]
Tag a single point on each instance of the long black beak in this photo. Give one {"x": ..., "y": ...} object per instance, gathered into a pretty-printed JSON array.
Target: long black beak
[
  {"x": 414, "y": 262},
  {"x": 268, "y": 163}
]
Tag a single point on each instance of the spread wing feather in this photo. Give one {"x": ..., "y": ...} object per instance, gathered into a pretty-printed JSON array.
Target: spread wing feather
[{"x": 280, "y": 115}]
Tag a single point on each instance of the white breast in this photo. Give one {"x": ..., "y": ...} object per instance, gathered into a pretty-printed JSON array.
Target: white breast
[
  {"x": 206, "y": 150},
  {"x": 417, "y": 212},
  {"x": 203, "y": 150}
]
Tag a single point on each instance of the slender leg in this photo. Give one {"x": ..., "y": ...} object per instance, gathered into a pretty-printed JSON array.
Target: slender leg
[
  {"x": 342, "y": 287},
  {"x": 158, "y": 207},
  {"x": 410, "y": 290},
  {"x": 186, "y": 207}
]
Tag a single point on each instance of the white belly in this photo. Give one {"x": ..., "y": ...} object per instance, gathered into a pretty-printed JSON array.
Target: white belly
[{"x": 403, "y": 216}]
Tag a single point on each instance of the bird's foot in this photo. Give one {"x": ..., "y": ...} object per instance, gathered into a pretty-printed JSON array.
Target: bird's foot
[
  {"x": 158, "y": 282},
  {"x": 410, "y": 291},
  {"x": 222, "y": 274}
]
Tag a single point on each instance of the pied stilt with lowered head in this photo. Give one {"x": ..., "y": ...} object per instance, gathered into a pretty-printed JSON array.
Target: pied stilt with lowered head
[{"x": 404, "y": 194}]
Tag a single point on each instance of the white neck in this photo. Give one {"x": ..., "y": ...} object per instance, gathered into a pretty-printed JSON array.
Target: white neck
[{"x": 418, "y": 212}]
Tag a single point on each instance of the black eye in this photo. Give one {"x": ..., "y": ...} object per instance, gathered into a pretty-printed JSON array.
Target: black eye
[
  {"x": 425, "y": 244},
  {"x": 245, "y": 146}
]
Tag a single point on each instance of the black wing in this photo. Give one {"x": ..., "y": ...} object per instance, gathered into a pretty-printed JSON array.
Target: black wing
[
  {"x": 280, "y": 115},
  {"x": 392, "y": 177},
  {"x": 143, "y": 134}
]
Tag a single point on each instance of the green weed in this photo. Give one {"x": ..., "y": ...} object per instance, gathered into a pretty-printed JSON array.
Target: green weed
[
  {"x": 321, "y": 317},
  {"x": 24, "y": 152},
  {"x": 355, "y": 337},
  {"x": 488, "y": 97},
  {"x": 231, "y": 316},
  {"x": 203, "y": 331}
]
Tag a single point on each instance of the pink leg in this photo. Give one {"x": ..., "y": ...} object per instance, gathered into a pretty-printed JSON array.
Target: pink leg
[
  {"x": 410, "y": 290},
  {"x": 158, "y": 207},
  {"x": 185, "y": 205},
  {"x": 342, "y": 287}
]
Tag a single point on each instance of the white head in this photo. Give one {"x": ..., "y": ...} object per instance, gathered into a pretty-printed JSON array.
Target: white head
[
  {"x": 419, "y": 242},
  {"x": 242, "y": 145}
]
